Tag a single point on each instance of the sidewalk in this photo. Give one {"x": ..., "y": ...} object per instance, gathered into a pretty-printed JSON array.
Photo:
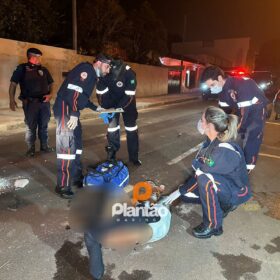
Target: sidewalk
[{"x": 14, "y": 121}]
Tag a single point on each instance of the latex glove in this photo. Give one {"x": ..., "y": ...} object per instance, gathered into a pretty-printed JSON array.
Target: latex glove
[
  {"x": 104, "y": 117},
  {"x": 195, "y": 164},
  {"x": 73, "y": 122},
  {"x": 198, "y": 172},
  {"x": 99, "y": 109},
  {"x": 173, "y": 196},
  {"x": 13, "y": 105},
  {"x": 47, "y": 98}
]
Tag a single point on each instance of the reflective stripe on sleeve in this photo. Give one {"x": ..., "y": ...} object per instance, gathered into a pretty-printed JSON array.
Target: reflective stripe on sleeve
[
  {"x": 247, "y": 103},
  {"x": 74, "y": 87},
  {"x": 130, "y": 92},
  {"x": 102, "y": 91},
  {"x": 223, "y": 104}
]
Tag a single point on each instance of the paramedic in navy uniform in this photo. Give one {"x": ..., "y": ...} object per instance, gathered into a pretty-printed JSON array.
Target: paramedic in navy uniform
[
  {"x": 35, "y": 85},
  {"x": 73, "y": 96},
  {"x": 117, "y": 90},
  {"x": 242, "y": 95},
  {"x": 221, "y": 180}
]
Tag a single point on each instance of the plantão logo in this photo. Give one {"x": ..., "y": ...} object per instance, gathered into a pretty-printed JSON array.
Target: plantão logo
[{"x": 142, "y": 192}]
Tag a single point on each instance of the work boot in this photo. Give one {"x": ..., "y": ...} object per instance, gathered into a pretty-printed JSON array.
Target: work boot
[
  {"x": 202, "y": 231},
  {"x": 66, "y": 194},
  {"x": 137, "y": 162},
  {"x": 46, "y": 148},
  {"x": 31, "y": 151},
  {"x": 111, "y": 153}
]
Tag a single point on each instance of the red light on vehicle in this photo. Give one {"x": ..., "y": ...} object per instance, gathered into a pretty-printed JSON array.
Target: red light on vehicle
[{"x": 241, "y": 73}]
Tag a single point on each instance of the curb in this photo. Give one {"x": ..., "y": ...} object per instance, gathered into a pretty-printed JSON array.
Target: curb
[{"x": 19, "y": 126}]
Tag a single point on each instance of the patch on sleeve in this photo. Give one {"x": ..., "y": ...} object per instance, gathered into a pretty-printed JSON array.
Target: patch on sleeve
[
  {"x": 132, "y": 82},
  {"x": 84, "y": 75}
]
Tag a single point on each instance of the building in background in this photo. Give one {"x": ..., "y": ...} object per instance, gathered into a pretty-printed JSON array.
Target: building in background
[
  {"x": 226, "y": 53},
  {"x": 183, "y": 73}
]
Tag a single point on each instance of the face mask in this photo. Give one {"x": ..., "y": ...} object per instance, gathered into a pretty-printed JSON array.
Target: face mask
[
  {"x": 97, "y": 70},
  {"x": 216, "y": 89},
  {"x": 200, "y": 128}
]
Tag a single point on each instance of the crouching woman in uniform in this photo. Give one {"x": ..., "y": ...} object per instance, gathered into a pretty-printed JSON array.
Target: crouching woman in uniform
[{"x": 221, "y": 181}]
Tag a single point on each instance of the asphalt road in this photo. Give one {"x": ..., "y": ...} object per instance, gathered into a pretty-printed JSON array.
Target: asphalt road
[{"x": 35, "y": 242}]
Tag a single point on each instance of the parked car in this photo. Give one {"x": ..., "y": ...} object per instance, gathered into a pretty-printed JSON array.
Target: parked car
[
  {"x": 276, "y": 105},
  {"x": 207, "y": 94},
  {"x": 265, "y": 81}
]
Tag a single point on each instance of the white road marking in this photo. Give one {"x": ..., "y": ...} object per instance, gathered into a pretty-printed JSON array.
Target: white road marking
[
  {"x": 268, "y": 155},
  {"x": 273, "y": 123},
  {"x": 184, "y": 155}
]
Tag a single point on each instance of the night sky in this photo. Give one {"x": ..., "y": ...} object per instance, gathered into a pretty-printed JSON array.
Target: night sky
[{"x": 214, "y": 19}]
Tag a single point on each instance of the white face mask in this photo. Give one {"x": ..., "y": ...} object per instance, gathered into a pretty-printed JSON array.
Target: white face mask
[
  {"x": 200, "y": 128},
  {"x": 97, "y": 70},
  {"x": 216, "y": 89}
]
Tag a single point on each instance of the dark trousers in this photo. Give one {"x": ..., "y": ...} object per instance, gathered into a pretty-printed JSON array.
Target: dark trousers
[
  {"x": 213, "y": 200},
  {"x": 253, "y": 136},
  {"x": 37, "y": 115},
  {"x": 96, "y": 264},
  {"x": 68, "y": 149},
  {"x": 113, "y": 135}
]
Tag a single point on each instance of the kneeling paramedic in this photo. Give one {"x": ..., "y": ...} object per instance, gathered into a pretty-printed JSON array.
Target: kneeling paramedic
[{"x": 221, "y": 180}]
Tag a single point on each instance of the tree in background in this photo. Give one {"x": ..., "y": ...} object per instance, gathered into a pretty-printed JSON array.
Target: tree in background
[
  {"x": 28, "y": 20},
  {"x": 269, "y": 57},
  {"x": 147, "y": 38},
  {"x": 100, "y": 23},
  {"x": 131, "y": 30}
]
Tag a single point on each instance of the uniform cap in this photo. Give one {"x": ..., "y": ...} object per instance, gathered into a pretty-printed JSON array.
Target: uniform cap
[
  {"x": 103, "y": 58},
  {"x": 34, "y": 51}
]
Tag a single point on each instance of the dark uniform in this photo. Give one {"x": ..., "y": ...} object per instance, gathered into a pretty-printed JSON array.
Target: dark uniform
[
  {"x": 221, "y": 183},
  {"x": 117, "y": 90},
  {"x": 73, "y": 96},
  {"x": 35, "y": 81},
  {"x": 244, "y": 97}
]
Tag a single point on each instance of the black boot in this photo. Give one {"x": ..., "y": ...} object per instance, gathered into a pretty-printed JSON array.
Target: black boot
[
  {"x": 137, "y": 162},
  {"x": 202, "y": 231},
  {"x": 31, "y": 151},
  {"x": 45, "y": 148},
  {"x": 66, "y": 194},
  {"x": 111, "y": 153}
]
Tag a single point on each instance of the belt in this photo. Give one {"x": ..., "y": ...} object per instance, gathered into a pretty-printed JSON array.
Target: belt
[{"x": 32, "y": 99}]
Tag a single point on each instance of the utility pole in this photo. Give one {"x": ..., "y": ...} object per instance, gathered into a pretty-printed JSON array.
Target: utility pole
[
  {"x": 74, "y": 24},
  {"x": 184, "y": 37}
]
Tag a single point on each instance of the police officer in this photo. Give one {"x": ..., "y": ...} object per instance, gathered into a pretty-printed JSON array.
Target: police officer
[
  {"x": 73, "y": 96},
  {"x": 35, "y": 85},
  {"x": 117, "y": 90},
  {"x": 242, "y": 96}
]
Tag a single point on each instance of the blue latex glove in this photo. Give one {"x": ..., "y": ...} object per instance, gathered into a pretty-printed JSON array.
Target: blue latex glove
[
  {"x": 106, "y": 117},
  {"x": 195, "y": 164}
]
